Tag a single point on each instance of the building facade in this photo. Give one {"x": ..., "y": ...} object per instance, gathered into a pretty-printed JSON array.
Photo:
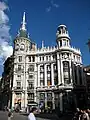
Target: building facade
[
  {"x": 87, "y": 77},
  {"x": 46, "y": 76},
  {"x": 6, "y": 84}
]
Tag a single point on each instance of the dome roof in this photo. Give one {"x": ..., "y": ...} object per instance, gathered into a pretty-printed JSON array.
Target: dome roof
[
  {"x": 62, "y": 31},
  {"x": 23, "y": 33},
  {"x": 62, "y": 26}
]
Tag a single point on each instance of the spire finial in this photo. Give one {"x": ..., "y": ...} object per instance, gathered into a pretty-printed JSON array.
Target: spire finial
[
  {"x": 23, "y": 27},
  {"x": 42, "y": 44}
]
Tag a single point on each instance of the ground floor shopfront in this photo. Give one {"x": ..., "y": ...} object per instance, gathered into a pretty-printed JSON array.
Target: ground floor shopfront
[
  {"x": 66, "y": 99},
  {"x": 62, "y": 99}
]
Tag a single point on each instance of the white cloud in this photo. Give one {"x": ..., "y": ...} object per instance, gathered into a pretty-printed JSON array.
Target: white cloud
[
  {"x": 5, "y": 49},
  {"x": 3, "y": 6},
  {"x": 52, "y": 4},
  {"x": 48, "y": 9}
]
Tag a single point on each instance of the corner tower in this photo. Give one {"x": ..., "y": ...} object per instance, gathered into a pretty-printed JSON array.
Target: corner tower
[
  {"x": 62, "y": 36},
  {"x": 22, "y": 45},
  {"x": 22, "y": 42}
]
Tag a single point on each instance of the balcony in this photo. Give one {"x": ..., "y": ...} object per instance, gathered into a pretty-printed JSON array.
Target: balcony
[
  {"x": 19, "y": 70},
  {"x": 18, "y": 89},
  {"x": 31, "y": 90}
]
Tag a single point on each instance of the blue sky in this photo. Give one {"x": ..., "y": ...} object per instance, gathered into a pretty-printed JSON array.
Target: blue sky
[{"x": 44, "y": 16}]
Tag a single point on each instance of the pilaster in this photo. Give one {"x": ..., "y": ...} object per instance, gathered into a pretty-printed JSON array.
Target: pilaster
[
  {"x": 61, "y": 102},
  {"x": 58, "y": 67},
  {"x": 53, "y": 100},
  {"x": 26, "y": 102},
  {"x": 62, "y": 72},
  {"x": 13, "y": 98},
  {"x": 45, "y": 100},
  {"x": 38, "y": 75},
  {"x": 45, "y": 74},
  {"x": 73, "y": 73},
  {"x": 70, "y": 71},
  {"x": 52, "y": 74},
  {"x": 23, "y": 101}
]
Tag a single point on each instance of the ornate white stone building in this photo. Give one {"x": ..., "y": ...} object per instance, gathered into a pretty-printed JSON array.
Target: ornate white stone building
[{"x": 45, "y": 76}]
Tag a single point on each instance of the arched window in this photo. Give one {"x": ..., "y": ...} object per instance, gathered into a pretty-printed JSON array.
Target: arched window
[{"x": 66, "y": 72}]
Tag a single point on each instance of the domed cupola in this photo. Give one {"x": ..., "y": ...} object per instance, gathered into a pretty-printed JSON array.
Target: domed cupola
[{"x": 62, "y": 36}]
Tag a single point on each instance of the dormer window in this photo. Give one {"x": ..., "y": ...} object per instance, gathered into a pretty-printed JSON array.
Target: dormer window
[
  {"x": 22, "y": 47},
  {"x": 17, "y": 47}
]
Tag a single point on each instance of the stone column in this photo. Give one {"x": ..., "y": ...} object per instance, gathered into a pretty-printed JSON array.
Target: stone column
[
  {"x": 70, "y": 66},
  {"x": 38, "y": 75},
  {"x": 23, "y": 101},
  {"x": 35, "y": 77},
  {"x": 52, "y": 74},
  {"x": 26, "y": 102},
  {"x": 35, "y": 83},
  {"x": 62, "y": 77},
  {"x": 45, "y": 99},
  {"x": 58, "y": 67},
  {"x": 73, "y": 73},
  {"x": 13, "y": 99},
  {"x": 61, "y": 102},
  {"x": 45, "y": 74},
  {"x": 53, "y": 100}
]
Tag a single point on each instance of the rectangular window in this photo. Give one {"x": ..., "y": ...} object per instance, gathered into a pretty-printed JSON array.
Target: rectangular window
[
  {"x": 48, "y": 67},
  {"x": 49, "y": 96},
  {"x": 30, "y": 76},
  {"x": 31, "y": 96},
  {"x": 60, "y": 43},
  {"x": 33, "y": 58},
  {"x": 19, "y": 67},
  {"x": 31, "y": 68},
  {"x": 20, "y": 58},
  {"x": 42, "y": 96},
  {"x": 43, "y": 58},
  {"x": 49, "y": 57},
  {"x": 46, "y": 57},
  {"x": 53, "y": 57},
  {"x": 30, "y": 85},
  {"x": 54, "y": 67},
  {"x": 41, "y": 68},
  {"x": 41, "y": 75},
  {"x": 19, "y": 76},
  {"x": 29, "y": 58},
  {"x": 18, "y": 84},
  {"x": 40, "y": 58}
]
